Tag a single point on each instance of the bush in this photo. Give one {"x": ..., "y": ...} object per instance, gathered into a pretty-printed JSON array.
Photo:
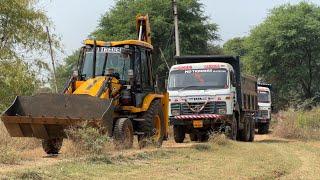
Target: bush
[
  {"x": 218, "y": 139},
  {"x": 9, "y": 155},
  {"x": 87, "y": 140},
  {"x": 298, "y": 124},
  {"x": 11, "y": 148}
]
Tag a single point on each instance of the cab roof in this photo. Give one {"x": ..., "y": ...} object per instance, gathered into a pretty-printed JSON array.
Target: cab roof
[
  {"x": 204, "y": 65},
  {"x": 119, "y": 43}
]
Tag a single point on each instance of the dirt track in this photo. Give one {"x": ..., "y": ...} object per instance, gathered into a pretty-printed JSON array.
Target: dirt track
[{"x": 302, "y": 159}]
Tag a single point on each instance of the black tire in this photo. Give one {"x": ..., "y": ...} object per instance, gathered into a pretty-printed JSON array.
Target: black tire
[
  {"x": 234, "y": 129},
  {"x": 148, "y": 126},
  {"x": 179, "y": 133},
  {"x": 204, "y": 137},
  {"x": 263, "y": 128},
  {"x": 193, "y": 137},
  {"x": 246, "y": 131},
  {"x": 252, "y": 130},
  {"x": 52, "y": 146},
  {"x": 123, "y": 133}
]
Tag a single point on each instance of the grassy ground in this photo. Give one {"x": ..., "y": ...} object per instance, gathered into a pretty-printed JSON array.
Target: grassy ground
[
  {"x": 292, "y": 151},
  {"x": 267, "y": 158}
]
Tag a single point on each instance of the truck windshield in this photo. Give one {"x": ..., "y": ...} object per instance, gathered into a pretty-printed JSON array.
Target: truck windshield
[
  {"x": 263, "y": 97},
  {"x": 198, "y": 79},
  {"x": 105, "y": 61}
]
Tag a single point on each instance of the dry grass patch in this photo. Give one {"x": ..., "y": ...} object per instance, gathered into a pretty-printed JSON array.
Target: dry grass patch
[
  {"x": 87, "y": 142},
  {"x": 11, "y": 148},
  {"x": 303, "y": 125}
]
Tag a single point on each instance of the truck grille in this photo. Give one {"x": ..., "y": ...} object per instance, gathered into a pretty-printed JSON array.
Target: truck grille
[
  {"x": 210, "y": 107},
  {"x": 263, "y": 113}
]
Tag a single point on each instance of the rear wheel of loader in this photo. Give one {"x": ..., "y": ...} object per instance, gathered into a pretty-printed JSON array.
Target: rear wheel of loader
[
  {"x": 193, "y": 137},
  {"x": 153, "y": 125},
  {"x": 234, "y": 129},
  {"x": 123, "y": 133},
  {"x": 246, "y": 131},
  {"x": 52, "y": 146},
  {"x": 179, "y": 133}
]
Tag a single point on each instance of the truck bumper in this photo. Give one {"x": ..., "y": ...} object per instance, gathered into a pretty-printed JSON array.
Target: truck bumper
[
  {"x": 207, "y": 119},
  {"x": 262, "y": 120}
]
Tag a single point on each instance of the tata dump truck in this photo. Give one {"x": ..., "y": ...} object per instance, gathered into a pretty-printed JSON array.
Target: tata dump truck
[
  {"x": 112, "y": 89},
  {"x": 264, "y": 102},
  {"x": 210, "y": 94}
]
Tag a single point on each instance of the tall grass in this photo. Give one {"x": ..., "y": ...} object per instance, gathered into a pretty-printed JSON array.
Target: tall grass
[
  {"x": 10, "y": 148},
  {"x": 87, "y": 141},
  {"x": 298, "y": 124}
]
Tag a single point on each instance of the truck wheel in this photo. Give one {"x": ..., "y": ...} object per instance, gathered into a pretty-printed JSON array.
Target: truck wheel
[
  {"x": 252, "y": 130},
  {"x": 246, "y": 131},
  {"x": 193, "y": 137},
  {"x": 52, "y": 146},
  {"x": 153, "y": 125},
  {"x": 234, "y": 129},
  {"x": 179, "y": 133},
  {"x": 204, "y": 137},
  {"x": 123, "y": 133},
  {"x": 263, "y": 128}
]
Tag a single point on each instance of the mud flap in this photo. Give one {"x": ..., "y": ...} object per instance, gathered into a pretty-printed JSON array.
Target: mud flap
[{"x": 47, "y": 115}]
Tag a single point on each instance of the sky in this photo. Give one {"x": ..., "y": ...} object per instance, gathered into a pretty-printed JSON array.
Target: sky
[{"x": 74, "y": 20}]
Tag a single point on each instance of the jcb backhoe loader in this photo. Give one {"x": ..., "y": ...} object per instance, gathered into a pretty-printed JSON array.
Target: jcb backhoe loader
[{"x": 112, "y": 88}]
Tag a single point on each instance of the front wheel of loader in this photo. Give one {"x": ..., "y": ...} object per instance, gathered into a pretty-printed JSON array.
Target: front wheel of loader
[
  {"x": 123, "y": 133},
  {"x": 153, "y": 125},
  {"x": 52, "y": 146}
]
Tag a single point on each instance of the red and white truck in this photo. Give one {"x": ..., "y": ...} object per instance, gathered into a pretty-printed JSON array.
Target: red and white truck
[{"x": 209, "y": 94}]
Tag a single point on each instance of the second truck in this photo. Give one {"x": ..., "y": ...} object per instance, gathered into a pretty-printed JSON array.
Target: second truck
[{"x": 210, "y": 94}]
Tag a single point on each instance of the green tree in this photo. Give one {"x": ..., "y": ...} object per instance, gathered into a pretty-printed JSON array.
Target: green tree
[
  {"x": 22, "y": 35},
  {"x": 64, "y": 71},
  {"x": 16, "y": 78},
  {"x": 22, "y": 28},
  {"x": 285, "y": 51},
  {"x": 235, "y": 47}
]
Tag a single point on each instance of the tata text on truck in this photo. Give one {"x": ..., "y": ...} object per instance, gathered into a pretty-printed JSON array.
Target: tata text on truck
[
  {"x": 264, "y": 114},
  {"x": 210, "y": 94}
]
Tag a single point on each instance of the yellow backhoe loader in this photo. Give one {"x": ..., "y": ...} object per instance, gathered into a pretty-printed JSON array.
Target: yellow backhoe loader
[{"x": 113, "y": 88}]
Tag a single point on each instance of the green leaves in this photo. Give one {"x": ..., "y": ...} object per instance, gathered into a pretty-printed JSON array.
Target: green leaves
[{"x": 285, "y": 51}]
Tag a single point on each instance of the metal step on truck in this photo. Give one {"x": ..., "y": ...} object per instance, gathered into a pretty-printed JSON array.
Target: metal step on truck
[{"x": 210, "y": 94}]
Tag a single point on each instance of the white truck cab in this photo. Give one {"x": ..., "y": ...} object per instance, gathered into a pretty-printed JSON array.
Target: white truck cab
[
  {"x": 208, "y": 94},
  {"x": 201, "y": 86},
  {"x": 264, "y": 113}
]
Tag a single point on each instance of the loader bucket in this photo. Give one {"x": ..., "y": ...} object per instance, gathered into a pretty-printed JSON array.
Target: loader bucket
[{"x": 46, "y": 116}]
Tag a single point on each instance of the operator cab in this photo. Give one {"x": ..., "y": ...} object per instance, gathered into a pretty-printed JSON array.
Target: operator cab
[
  {"x": 128, "y": 61},
  {"x": 264, "y": 95}
]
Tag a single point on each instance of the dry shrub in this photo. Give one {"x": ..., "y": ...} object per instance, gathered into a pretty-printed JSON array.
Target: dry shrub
[
  {"x": 87, "y": 141},
  {"x": 298, "y": 124},
  {"x": 11, "y": 148},
  {"x": 9, "y": 155},
  {"x": 219, "y": 139}
]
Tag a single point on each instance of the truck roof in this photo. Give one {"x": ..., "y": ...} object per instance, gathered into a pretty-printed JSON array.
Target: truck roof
[
  {"x": 204, "y": 65},
  {"x": 119, "y": 43},
  {"x": 261, "y": 88}
]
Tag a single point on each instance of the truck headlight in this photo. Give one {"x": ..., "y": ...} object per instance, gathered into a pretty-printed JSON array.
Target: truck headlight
[{"x": 175, "y": 112}]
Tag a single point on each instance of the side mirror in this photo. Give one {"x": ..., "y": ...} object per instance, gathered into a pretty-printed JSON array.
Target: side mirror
[{"x": 130, "y": 73}]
